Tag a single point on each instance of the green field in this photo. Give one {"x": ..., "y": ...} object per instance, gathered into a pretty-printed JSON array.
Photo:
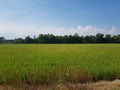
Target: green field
[{"x": 49, "y": 63}]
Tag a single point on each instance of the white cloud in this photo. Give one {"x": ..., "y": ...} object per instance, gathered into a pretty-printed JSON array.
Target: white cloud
[
  {"x": 91, "y": 30},
  {"x": 19, "y": 30}
]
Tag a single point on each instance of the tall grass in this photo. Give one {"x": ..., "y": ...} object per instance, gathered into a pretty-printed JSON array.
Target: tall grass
[{"x": 51, "y": 63}]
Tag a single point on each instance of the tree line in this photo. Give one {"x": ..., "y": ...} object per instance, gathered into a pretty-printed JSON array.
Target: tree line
[{"x": 52, "y": 39}]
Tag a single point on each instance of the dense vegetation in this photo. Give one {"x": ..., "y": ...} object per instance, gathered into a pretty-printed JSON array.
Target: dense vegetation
[
  {"x": 50, "y": 38},
  {"x": 52, "y": 63}
]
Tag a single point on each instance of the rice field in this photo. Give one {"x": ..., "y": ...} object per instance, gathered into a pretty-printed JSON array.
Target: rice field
[{"x": 58, "y": 63}]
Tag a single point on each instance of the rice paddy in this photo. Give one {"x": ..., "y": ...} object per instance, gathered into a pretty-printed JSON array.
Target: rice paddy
[{"x": 56, "y": 63}]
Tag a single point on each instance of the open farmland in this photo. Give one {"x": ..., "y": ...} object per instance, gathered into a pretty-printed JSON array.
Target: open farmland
[{"x": 51, "y": 63}]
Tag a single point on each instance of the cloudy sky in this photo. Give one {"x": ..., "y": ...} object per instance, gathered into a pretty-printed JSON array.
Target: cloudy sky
[{"x": 19, "y": 18}]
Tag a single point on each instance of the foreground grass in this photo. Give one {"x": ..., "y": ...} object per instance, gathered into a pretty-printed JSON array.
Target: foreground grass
[{"x": 46, "y": 64}]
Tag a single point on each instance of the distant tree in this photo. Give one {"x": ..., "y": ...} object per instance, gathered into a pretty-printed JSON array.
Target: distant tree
[
  {"x": 42, "y": 38},
  {"x": 50, "y": 38},
  {"x": 116, "y": 39},
  {"x": 35, "y": 39},
  {"x": 2, "y": 40},
  {"x": 29, "y": 40},
  {"x": 107, "y": 38},
  {"x": 92, "y": 39},
  {"x": 76, "y": 35},
  {"x": 19, "y": 40},
  {"x": 76, "y": 38},
  {"x": 59, "y": 39},
  {"x": 81, "y": 39},
  {"x": 65, "y": 39},
  {"x": 87, "y": 39},
  {"x": 100, "y": 38}
]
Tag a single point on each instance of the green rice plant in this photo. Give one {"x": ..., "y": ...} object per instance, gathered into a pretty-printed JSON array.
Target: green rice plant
[{"x": 51, "y": 63}]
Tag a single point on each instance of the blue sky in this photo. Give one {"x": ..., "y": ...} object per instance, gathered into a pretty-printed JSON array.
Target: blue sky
[{"x": 19, "y": 18}]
